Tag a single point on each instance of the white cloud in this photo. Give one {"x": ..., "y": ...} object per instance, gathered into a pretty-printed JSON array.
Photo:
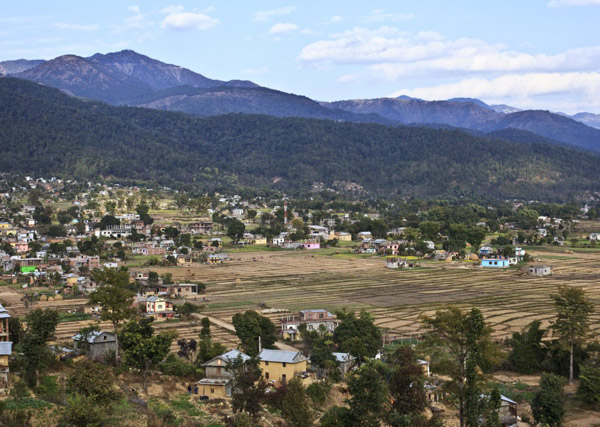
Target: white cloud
[
  {"x": 379, "y": 15},
  {"x": 348, "y": 78},
  {"x": 266, "y": 15},
  {"x": 335, "y": 19},
  {"x": 283, "y": 28},
  {"x": 569, "y": 92},
  {"x": 134, "y": 9},
  {"x": 177, "y": 19},
  {"x": 75, "y": 27},
  {"x": 559, "y": 3},
  {"x": 390, "y": 55},
  {"x": 259, "y": 70}
]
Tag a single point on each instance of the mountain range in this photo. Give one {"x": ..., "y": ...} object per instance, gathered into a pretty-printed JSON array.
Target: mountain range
[
  {"x": 130, "y": 78},
  {"x": 45, "y": 132}
]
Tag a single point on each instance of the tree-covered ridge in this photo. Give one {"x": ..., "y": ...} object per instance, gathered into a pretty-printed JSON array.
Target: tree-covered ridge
[{"x": 44, "y": 132}]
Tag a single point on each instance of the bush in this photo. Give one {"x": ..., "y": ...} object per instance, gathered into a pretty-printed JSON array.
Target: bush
[
  {"x": 177, "y": 367},
  {"x": 548, "y": 405},
  {"x": 319, "y": 392},
  {"x": 589, "y": 386}
]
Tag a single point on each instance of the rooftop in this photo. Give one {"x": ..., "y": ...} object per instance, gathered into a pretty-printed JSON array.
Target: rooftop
[{"x": 281, "y": 356}]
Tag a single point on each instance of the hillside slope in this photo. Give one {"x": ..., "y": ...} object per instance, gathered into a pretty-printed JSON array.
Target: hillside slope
[{"x": 45, "y": 132}]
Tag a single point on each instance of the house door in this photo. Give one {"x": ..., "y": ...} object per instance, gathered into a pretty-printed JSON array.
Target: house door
[{"x": 283, "y": 378}]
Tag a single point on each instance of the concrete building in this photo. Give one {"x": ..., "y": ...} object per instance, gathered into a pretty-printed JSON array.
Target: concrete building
[
  {"x": 97, "y": 345},
  {"x": 281, "y": 366}
]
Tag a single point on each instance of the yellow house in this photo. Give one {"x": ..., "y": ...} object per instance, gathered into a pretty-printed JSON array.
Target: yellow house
[
  {"x": 260, "y": 241},
  {"x": 342, "y": 236},
  {"x": 4, "y": 225},
  {"x": 214, "y": 388},
  {"x": 280, "y": 365}
]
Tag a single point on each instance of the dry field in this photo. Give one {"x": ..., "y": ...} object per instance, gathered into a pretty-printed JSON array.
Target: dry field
[
  {"x": 294, "y": 281},
  {"x": 305, "y": 280}
]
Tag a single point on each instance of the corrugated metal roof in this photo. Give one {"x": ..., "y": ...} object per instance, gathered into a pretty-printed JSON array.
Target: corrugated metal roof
[
  {"x": 5, "y": 348},
  {"x": 343, "y": 357},
  {"x": 214, "y": 381},
  {"x": 281, "y": 356},
  {"x": 93, "y": 336}
]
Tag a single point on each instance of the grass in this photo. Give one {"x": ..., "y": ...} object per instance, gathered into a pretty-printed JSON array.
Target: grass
[
  {"x": 73, "y": 317},
  {"x": 229, "y": 305},
  {"x": 182, "y": 403},
  {"x": 26, "y": 403}
]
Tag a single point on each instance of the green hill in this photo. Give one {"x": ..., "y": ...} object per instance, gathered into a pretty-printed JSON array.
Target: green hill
[{"x": 45, "y": 132}]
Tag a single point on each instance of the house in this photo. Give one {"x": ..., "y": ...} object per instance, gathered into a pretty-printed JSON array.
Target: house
[
  {"x": 342, "y": 236},
  {"x": 425, "y": 365},
  {"x": 181, "y": 289},
  {"x": 430, "y": 244},
  {"x": 508, "y": 411},
  {"x": 542, "y": 232},
  {"x": 311, "y": 245},
  {"x": 486, "y": 251},
  {"x": 539, "y": 270},
  {"x": 214, "y": 388},
  {"x": 595, "y": 237},
  {"x": 217, "y": 366},
  {"x": 158, "y": 307},
  {"x": 280, "y": 240},
  {"x": 346, "y": 361},
  {"x": 200, "y": 227},
  {"x": 5, "y": 349},
  {"x": 217, "y": 258},
  {"x": 495, "y": 262},
  {"x": 364, "y": 235},
  {"x": 315, "y": 320},
  {"x": 98, "y": 344},
  {"x": 281, "y": 365}
]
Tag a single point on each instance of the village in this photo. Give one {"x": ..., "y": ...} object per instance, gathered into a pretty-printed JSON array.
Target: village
[{"x": 193, "y": 265}]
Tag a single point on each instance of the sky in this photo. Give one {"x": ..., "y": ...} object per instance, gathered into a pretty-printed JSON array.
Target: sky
[{"x": 530, "y": 54}]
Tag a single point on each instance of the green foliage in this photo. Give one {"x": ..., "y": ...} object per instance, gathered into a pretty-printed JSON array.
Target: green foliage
[
  {"x": 142, "y": 350},
  {"x": 548, "y": 405},
  {"x": 235, "y": 229},
  {"x": 318, "y": 392},
  {"x": 357, "y": 335},
  {"x": 248, "y": 387},
  {"x": 295, "y": 408},
  {"x": 589, "y": 384},
  {"x": 94, "y": 381},
  {"x": 249, "y": 327},
  {"x": 67, "y": 136},
  {"x": 188, "y": 308},
  {"x": 369, "y": 395},
  {"x": 82, "y": 411},
  {"x": 336, "y": 416},
  {"x": 177, "y": 367},
  {"x": 573, "y": 311},
  {"x": 527, "y": 352},
  {"x": 406, "y": 383},
  {"x": 34, "y": 353}
]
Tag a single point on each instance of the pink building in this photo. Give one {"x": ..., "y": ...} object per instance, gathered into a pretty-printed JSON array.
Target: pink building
[{"x": 311, "y": 245}]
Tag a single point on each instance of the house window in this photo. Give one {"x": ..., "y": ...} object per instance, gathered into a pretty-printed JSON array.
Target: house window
[
  {"x": 266, "y": 363},
  {"x": 212, "y": 390},
  {"x": 284, "y": 364}
]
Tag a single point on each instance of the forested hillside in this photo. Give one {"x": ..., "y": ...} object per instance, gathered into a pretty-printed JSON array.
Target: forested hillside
[{"x": 45, "y": 132}]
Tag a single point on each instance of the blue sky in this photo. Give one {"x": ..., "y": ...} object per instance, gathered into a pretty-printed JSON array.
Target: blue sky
[{"x": 530, "y": 53}]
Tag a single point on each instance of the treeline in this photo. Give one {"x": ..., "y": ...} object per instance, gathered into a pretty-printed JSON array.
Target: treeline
[{"x": 45, "y": 132}]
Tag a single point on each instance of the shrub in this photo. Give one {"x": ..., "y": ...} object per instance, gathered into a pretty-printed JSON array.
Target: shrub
[{"x": 177, "y": 367}]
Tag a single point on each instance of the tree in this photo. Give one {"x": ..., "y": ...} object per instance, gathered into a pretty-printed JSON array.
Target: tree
[
  {"x": 249, "y": 327},
  {"x": 115, "y": 298},
  {"x": 142, "y": 349},
  {"x": 462, "y": 337},
  {"x": 406, "y": 385},
  {"x": 82, "y": 411},
  {"x": 235, "y": 229},
  {"x": 589, "y": 384},
  {"x": 296, "y": 408},
  {"x": 527, "y": 352},
  {"x": 111, "y": 207},
  {"x": 248, "y": 386},
  {"x": 548, "y": 404},
  {"x": 94, "y": 381},
  {"x": 142, "y": 211},
  {"x": 41, "y": 325},
  {"x": 357, "y": 335},
  {"x": 336, "y": 416},
  {"x": 369, "y": 395},
  {"x": 573, "y": 311}
]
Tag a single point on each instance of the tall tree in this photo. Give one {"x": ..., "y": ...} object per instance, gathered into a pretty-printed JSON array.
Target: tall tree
[
  {"x": 296, "y": 409},
  {"x": 572, "y": 322},
  {"x": 235, "y": 229},
  {"x": 548, "y": 404},
  {"x": 142, "y": 349},
  {"x": 248, "y": 386},
  {"x": 527, "y": 352},
  {"x": 41, "y": 325},
  {"x": 115, "y": 298},
  {"x": 454, "y": 332},
  {"x": 369, "y": 395},
  {"x": 357, "y": 335},
  {"x": 249, "y": 327},
  {"x": 406, "y": 384}
]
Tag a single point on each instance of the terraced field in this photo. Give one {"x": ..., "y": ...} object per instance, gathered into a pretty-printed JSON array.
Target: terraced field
[
  {"x": 324, "y": 279},
  {"x": 295, "y": 281}
]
